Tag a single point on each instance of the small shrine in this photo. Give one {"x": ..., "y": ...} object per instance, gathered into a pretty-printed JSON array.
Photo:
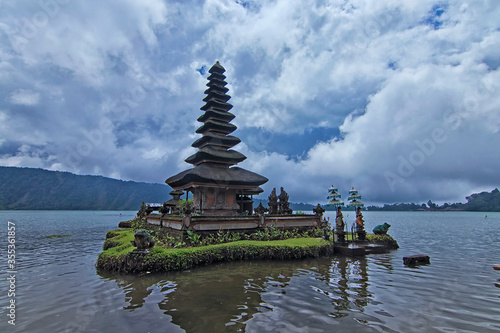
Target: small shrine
[
  {"x": 171, "y": 206},
  {"x": 351, "y": 239}
]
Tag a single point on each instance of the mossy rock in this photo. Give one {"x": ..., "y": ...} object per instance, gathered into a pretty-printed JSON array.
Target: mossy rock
[
  {"x": 385, "y": 240},
  {"x": 111, "y": 234},
  {"x": 125, "y": 224}
]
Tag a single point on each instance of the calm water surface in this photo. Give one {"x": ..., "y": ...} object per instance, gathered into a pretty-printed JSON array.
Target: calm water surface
[{"x": 59, "y": 290}]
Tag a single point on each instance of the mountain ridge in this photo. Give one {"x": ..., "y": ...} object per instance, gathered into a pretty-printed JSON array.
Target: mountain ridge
[{"x": 39, "y": 189}]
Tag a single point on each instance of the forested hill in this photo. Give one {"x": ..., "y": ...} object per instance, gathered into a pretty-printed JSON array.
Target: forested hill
[{"x": 28, "y": 188}]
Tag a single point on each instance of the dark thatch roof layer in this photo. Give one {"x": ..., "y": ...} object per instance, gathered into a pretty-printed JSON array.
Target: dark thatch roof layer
[
  {"x": 216, "y": 76},
  {"x": 217, "y": 68},
  {"x": 221, "y": 90},
  {"x": 209, "y": 174},
  {"x": 211, "y": 139},
  {"x": 217, "y": 126},
  {"x": 219, "y": 96},
  {"x": 217, "y": 104},
  {"x": 206, "y": 154},
  {"x": 224, "y": 116},
  {"x": 172, "y": 193},
  {"x": 216, "y": 83}
]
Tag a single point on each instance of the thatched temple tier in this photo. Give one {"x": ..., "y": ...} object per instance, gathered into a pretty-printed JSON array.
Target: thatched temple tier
[{"x": 211, "y": 224}]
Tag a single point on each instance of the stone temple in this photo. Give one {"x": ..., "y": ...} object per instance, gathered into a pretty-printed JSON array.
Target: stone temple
[{"x": 218, "y": 186}]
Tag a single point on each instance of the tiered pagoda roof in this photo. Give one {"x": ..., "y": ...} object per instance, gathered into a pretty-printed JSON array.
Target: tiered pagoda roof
[
  {"x": 355, "y": 199},
  {"x": 214, "y": 161},
  {"x": 334, "y": 197}
]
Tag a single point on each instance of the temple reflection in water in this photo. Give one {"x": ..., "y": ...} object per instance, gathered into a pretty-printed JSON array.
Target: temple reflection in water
[{"x": 254, "y": 295}]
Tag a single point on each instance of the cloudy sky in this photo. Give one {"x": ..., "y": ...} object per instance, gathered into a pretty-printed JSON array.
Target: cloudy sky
[{"x": 399, "y": 99}]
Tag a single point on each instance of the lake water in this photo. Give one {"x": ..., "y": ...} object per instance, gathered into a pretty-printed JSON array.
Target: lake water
[{"x": 59, "y": 290}]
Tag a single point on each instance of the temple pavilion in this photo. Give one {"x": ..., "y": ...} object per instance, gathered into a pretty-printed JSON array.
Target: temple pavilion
[
  {"x": 219, "y": 187},
  {"x": 334, "y": 197}
]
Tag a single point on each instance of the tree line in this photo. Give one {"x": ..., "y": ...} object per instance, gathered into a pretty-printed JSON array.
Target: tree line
[{"x": 477, "y": 202}]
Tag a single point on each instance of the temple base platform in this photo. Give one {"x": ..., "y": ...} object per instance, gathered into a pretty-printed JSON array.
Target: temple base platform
[{"x": 209, "y": 224}]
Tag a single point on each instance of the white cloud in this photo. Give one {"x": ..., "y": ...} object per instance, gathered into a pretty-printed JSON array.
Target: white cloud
[
  {"x": 386, "y": 73},
  {"x": 25, "y": 97}
]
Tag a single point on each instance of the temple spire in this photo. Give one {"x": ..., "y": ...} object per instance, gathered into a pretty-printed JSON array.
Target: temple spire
[
  {"x": 218, "y": 186},
  {"x": 215, "y": 143}
]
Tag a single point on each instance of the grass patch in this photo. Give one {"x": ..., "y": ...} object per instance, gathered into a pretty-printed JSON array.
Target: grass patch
[
  {"x": 57, "y": 236},
  {"x": 119, "y": 241},
  {"x": 118, "y": 255}
]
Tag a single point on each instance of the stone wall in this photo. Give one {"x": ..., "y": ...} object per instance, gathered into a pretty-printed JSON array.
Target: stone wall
[{"x": 234, "y": 223}]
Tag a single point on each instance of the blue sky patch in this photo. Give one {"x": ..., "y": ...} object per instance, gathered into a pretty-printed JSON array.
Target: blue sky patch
[{"x": 435, "y": 16}]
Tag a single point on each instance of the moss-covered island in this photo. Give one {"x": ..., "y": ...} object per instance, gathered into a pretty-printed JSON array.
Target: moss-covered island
[
  {"x": 220, "y": 223},
  {"x": 173, "y": 253}
]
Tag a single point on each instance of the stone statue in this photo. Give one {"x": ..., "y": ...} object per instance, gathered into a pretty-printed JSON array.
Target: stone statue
[
  {"x": 165, "y": 209},
  {"x": 340, "y": 225},
  {"x": 143, "y": 241},
  {"x": 273, "y": 203},
  {"x": 319, "y": 210},
  {"x": 186, "y": 209},
  {"x": 260, "y": 210},
  {"x": 381, "y": 229},
  {"x": 284, "y": 205},
  {"x": 360, "y": 225}
]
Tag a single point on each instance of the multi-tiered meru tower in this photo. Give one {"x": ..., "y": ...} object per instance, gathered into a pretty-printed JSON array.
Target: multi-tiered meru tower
[{"x": 218, "y": 186}]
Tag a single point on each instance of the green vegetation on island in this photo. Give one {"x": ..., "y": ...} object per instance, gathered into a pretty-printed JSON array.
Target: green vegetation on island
[
  {"x": 119, "y": 256},
  {"x": 176, "y": 253}
]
